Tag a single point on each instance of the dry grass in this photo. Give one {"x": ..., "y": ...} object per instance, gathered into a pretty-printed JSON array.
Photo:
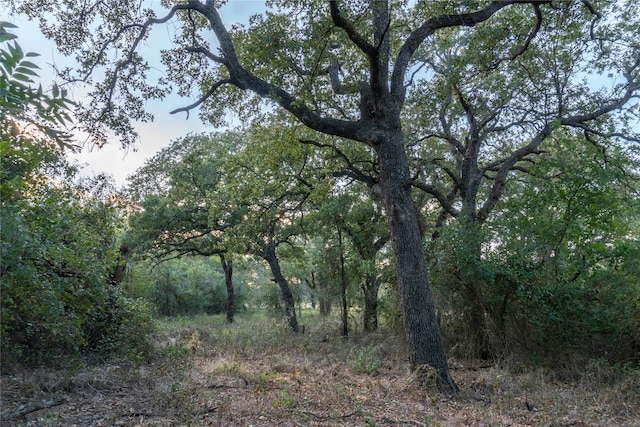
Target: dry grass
[{"x": 256, "y": 373}]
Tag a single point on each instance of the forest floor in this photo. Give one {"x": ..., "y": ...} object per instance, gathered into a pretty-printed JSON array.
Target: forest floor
[{"x": 254, "y": 373}]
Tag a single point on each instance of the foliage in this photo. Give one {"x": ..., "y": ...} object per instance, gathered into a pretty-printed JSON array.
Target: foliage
[
  {"x": 172, "y": 190},
  {"x": 183, "y": 287},
  {"x": 58, "y": 251},
  {"x": 364, "y": 360},
  {"x": 558, "y": 262},
  {"x": 58, "y": 235},
  {"x": 451, "y": 98}
]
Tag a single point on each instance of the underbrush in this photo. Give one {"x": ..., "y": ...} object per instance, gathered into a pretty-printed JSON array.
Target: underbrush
[
  {"x": 255, "y": 371},
  {"x": 114, "y": 328}
]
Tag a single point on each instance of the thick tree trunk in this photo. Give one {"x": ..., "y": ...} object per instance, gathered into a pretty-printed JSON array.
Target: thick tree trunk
[
  {"x": 269, "y": 255},
  {"x": 227, "y": 267},
  {"x": 370, "y": 290},
  {"x": 419, "y": 315}
]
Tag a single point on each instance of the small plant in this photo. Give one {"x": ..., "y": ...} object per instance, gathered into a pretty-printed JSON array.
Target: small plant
[
  {"x": 175, "y": 351},
  {"x": 193, "y": 341},
  {"x": 263, "y": 382},
  {"x": 428, "y": 379},
  {"x": 364, "y": 360},
  {"x": 285, "y": 400}
]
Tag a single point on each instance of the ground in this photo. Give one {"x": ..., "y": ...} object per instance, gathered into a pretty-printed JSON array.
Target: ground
[{"x": 255, "y": 373}]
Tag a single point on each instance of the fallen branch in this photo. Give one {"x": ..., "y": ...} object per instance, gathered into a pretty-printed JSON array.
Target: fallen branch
[
  {"x": 33, "y": 407},
  {"x": 402, "y": 422},
  {"x": 205, "y": 411},
  {"x": 328, "y": 417}
]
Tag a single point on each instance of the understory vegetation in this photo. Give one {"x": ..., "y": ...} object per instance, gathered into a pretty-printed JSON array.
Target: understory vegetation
[{"x": 208, "y": 373}]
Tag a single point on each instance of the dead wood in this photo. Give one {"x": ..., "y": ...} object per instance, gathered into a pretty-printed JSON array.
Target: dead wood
[{"x": 32, "y": 407}]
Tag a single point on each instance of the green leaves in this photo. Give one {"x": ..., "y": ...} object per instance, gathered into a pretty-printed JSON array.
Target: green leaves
[{"x": 30, "y": 119}]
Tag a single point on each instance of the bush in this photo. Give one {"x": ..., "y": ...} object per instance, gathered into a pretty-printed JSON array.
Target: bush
[{"x": 364, "y": 360}]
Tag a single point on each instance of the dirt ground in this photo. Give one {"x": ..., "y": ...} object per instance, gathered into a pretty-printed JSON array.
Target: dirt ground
[{"x": 251, "y": 375}]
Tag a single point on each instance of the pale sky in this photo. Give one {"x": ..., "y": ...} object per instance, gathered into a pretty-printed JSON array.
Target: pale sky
[{"x": 112, "y": 159}]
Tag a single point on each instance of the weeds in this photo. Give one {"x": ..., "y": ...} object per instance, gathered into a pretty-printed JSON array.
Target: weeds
[
  {"x": 285, "y": 400},
  {"x": 256, "y": 372},
  {"x": 364, "y": 360}
]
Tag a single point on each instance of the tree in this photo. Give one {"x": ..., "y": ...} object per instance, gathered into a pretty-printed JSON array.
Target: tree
[
  {"x": 350, "y": 216},
  {"x": 496, "y": 106},
  {"x": 173, "y": 191},
  {"x": 561, "y": 254},
  {"x": 267, "y": 184},
  {"x": 347, "y": 70}
]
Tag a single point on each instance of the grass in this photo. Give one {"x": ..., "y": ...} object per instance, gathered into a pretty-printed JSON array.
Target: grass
[{"x": 255, "y": 372}]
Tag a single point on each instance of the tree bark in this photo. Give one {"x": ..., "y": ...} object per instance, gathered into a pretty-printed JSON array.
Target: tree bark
[
  {"x": 227, "y": 267},
  {"x": 343, "y": 287},
  {"x": 269, "y": 255},
  {"x": 419, "y": 315},
  {"x": 370, "y": 290},
  {"x": 121, "y": 266}
]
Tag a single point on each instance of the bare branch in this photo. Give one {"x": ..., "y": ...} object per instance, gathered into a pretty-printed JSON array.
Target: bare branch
[
  {"x": 498, "y": 186},
  {"x": 598, "y": 15},
  {"x": 532, "y": 34},
  {"x": 203, "y": 98},
  {"x": 445, "y": 201},
  {"x": 338, "y": 87},
  {"x": 356, "y": 172},
  {"x": 207, "y": 53},
  {"x": 427, "y": 29},
  {"x": 121, "y": 65},
  {"x": 353, "y": 34},
  {"x": 245, "y": 80}
]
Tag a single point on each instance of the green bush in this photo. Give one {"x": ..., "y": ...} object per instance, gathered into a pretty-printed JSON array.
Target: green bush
[{"x": 364, "y": 360}]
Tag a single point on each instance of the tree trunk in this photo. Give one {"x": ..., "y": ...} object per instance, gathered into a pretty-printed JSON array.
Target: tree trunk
[
  {"x": 419, "y": 315},
  {"x": 370, "y": 290},
  {"x": 121, "y": 266},
  {"x": 343, "y": 288},
  {"x": 475, "y": 315},
  {"x": 324, "y": 297},
  {"x": 269, "y": 255},
  {"x": 227, "y": 267}
]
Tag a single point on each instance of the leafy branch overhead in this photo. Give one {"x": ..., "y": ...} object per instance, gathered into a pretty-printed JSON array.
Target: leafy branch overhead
[{"x": 29, "y": 113}]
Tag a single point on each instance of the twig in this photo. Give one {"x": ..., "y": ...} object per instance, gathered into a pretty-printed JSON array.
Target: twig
[
  {"x": 329, "y": 417},
  {"x": 33, "y": 407},
  {"x": 205, "y": 411},
  {"x": 402, "y": 422}
]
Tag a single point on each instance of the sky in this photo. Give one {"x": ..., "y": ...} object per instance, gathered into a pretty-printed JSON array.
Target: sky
[{"x": 112, "y": 159}]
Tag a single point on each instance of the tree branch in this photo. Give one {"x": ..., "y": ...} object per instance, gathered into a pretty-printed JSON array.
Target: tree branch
[
  {"x": 443, "y": 200},
  {"x": 358, "y": 174},
  {"x": 353, "y": 34},
  {"x": 203, "y": 98},
  {"x": 415, "y": 39}
]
